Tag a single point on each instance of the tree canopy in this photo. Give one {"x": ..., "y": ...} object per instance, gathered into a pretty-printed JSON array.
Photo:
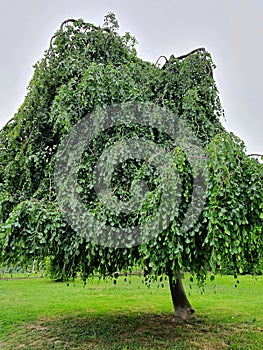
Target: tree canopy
[{"x": 87, "y": 67}]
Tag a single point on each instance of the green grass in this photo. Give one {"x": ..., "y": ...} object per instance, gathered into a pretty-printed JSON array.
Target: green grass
[{"x": 41, "y": 314}]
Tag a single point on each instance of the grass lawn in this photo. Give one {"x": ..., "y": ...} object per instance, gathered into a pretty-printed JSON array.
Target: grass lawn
[{"x": 41, "y": 314}]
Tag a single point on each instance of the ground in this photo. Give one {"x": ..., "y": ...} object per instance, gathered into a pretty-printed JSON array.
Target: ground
[{"x": 41, "y": 314}]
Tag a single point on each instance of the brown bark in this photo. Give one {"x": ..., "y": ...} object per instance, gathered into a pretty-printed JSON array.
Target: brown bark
[{"x": 182, "y": 306}]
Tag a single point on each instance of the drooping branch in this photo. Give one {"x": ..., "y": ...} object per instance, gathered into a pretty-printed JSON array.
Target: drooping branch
[
  {"x": 174, "y": 59},
  {"x": 166, "y": 59},
  {"x": 72, "y": 21},
  {"x": 67, "y": 21},
  {"x": 9, "y": 121},
  {"x": 255, "y": 155},
  {"x": 190, "y": 53}
]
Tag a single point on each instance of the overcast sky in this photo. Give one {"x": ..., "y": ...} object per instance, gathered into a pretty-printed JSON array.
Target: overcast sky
[{"x": 231, "y": 30}]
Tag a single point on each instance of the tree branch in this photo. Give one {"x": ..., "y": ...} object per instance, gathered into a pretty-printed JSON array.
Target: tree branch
[
  {"x": 255, "y": 155},
  {"x": 174, "y": 59},
  {"x": 72, "y": 20},
  {"x": 160, "y": 58},
  {"x": 190, "y": 53},
  {"x": 9, "y": 121}
]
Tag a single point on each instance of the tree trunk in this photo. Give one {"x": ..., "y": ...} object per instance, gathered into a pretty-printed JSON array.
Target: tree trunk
[{"x": 182, "y": 307}]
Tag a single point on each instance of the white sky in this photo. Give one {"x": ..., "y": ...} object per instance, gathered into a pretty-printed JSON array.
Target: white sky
[{"x": 231, "y": 30}]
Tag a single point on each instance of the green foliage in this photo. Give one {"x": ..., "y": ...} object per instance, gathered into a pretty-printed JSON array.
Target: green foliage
[
  {"x": 87, "y": 67},
  {"x": 247, "y": 268}
]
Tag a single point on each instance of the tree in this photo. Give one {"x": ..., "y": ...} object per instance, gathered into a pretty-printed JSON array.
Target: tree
[{"x": 87, "y": 67}]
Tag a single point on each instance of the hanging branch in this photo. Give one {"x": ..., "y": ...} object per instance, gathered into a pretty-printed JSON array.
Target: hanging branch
[
  {"x": 166, "y": 60},
  {"x": 255, "y": 155},
  {"x": 174, "y": 59},
  {"x": 67, "y": 21},
  {"x": 202, "y": 49},
  {"x": 72, "y": 21},
  {"x": 9, "y": 121}
]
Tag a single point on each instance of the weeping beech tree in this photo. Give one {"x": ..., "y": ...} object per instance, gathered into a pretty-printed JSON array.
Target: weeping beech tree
[{"x": 87, "y": 67}]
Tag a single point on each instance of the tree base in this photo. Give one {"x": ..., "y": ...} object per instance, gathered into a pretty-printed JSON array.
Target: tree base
[
  {"x": 182, "y": 307},
  {"x": 183, "y": 314}
]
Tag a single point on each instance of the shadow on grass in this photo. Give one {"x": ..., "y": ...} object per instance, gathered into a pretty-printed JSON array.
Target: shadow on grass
[{"x": 132, "y": 331}]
